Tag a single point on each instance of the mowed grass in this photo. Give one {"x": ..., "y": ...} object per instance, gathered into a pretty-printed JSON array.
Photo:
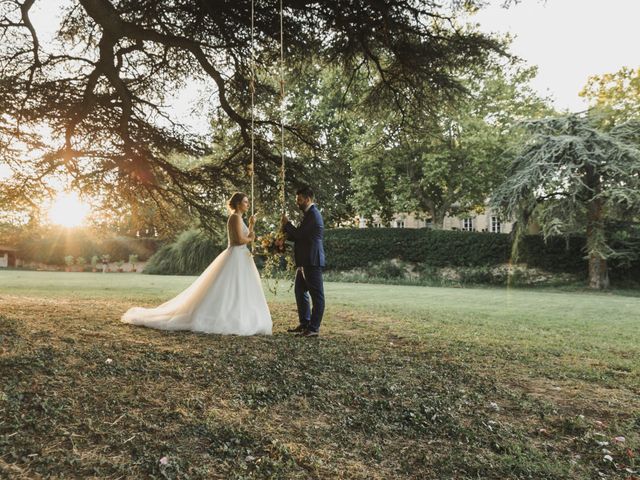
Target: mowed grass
[{"x": 405, "y": 382}]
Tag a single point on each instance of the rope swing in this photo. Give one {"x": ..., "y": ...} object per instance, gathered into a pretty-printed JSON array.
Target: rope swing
[
  {"x": 252, "y": 88},
  {"x": 282, "y": 105}
]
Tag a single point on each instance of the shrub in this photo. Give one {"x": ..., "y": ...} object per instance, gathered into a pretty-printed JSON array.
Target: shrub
[
  {"x": 190, "y": 254},
  {"x": 388, "y": 269},
  {"x": 348, "y": 249},
  {"x": 122, "y": 247},
  {"x": 408, "y": 255},
  {"x": 557, "y": 254},
  {"x": 53, "y": 245},
  {"x": 351, "y": 248}
]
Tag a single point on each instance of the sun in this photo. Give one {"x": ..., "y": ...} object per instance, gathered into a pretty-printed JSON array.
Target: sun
[{"x": 68, "y": 210}]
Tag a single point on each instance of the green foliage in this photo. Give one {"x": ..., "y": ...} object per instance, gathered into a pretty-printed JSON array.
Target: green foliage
[
  {"x": 445, "y": 161},
  {"x": 54, "y": 245},
  {"x": 352, "y": 248},
  {"x": 388, "y": 253},
  {"x": 397, "y": 272},
  {"x": 373, "y": 250},
  {"x": 616, "y": 95},
  {"x": 572, "y": 176},
  {"x": 275, "y": 259},
  {"x": 102, "y": 113},
  {"x": 555, "y": 254},
  {"x": 387, "y": 269},
  {"x": 190, "y": 254}
]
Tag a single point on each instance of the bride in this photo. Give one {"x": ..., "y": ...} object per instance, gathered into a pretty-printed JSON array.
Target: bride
[{"x": 226, "y": 298}]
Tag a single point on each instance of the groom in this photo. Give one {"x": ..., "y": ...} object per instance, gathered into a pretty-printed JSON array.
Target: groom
[{"x": 309, "y": 257}]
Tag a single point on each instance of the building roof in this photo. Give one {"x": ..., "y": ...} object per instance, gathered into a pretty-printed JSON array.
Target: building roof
[{"x": 7, "y": 249}]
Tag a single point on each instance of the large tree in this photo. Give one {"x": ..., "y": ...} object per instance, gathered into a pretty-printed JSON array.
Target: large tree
[
  {"x": 90, "y": 103},
  {"x": 572, "y": 176},
  {"x": 320, "y": 100},
  {"x": 615, "y": 95},
  {"x": 447, "y": 161}
]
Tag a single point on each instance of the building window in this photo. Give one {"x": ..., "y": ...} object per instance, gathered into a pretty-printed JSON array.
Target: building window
[
  {"x": 467, "y": 224},
  {"x": 496, "y": 225},
  {"x": 377, "y": 225},
  {"x": 398, "y": 224}
]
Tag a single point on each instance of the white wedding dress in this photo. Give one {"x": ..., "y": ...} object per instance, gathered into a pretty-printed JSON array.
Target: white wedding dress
[{"x": 227, "y": 298}]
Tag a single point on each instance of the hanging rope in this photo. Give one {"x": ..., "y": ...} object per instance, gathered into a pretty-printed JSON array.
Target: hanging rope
[
  {"x": 252, "y": 87},
  {"x": 282, "y": 105}
]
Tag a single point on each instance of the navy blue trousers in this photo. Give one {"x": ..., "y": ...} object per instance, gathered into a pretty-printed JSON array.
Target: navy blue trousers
[{"x": 310, "y": 284}]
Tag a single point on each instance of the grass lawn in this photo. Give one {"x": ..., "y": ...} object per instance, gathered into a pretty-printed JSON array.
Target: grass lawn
[{"x": 405, "y": 382}]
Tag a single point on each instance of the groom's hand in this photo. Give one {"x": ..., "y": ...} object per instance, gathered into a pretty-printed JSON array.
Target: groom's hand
[{"x": 284, "y": 220}]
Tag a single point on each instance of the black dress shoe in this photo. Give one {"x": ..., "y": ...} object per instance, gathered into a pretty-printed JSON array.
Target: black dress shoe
[
  {"x": 298, "y": 329},
  {"x": 310, "y": 333}
]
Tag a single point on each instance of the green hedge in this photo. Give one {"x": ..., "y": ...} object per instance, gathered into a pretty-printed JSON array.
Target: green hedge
[
  {"x": 352, "y": 248},
  {"x": 355, "y": 248},
  {"x": 557, "y": 254},
  {"x": 57, "y": 244},
  {"x": 347, "y": 249}
]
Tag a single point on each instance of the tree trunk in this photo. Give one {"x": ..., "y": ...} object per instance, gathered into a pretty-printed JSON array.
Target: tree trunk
[
  {"x": 437, "y": 219},
  {"x": 438, "y": 214},
  {"x": 598, "y": 273},
  {"x": 598, "y": 269}
]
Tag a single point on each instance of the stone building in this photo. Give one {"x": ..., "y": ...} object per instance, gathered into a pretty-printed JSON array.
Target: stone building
[
  {"x": 488, "y": 221},
  {"x": 7, "y": 257}
]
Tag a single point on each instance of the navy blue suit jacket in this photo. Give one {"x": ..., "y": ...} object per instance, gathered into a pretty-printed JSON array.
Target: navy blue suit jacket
[{"x": 308, "y": 237}]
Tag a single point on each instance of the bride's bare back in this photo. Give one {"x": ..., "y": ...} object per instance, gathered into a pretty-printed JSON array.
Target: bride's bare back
[{"x": 237, "y": 232}]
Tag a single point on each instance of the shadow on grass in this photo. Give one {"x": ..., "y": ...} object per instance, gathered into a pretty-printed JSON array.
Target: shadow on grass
[{"x": 84, "y": 395}]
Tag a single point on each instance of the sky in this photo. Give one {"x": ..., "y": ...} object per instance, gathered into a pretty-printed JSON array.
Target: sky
[{"x": 569, "y": 40}]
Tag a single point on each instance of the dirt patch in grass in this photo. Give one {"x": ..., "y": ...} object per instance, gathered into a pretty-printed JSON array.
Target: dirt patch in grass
[{"x": 86, "y": 396}]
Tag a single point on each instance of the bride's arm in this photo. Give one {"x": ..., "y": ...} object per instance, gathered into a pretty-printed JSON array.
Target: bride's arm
[{"x": 235, "y": 226}]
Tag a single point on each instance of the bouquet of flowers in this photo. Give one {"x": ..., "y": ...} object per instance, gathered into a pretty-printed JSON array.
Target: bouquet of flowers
[
  {"x": 272, "y": 243},
  {"x": 278, "y": 262}
]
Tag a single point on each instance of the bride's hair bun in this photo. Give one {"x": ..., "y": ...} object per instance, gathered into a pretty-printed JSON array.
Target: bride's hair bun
[{"x": 235, "y": 200}]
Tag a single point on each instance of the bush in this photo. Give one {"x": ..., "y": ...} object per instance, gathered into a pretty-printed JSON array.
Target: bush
[
  {"x": 411, "y": 255},
  {"x": 53, "y": 245},
  {"x": 402, "y": 273},
  {"x": 348, "y": 249},
  {"x": 190, "y": 254},
  {"x": 122, "y": 247},
  {"x": 388, "y": 269},
  {"x": 352, "y": 248},
  {"x": 557, "y": 254}
]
